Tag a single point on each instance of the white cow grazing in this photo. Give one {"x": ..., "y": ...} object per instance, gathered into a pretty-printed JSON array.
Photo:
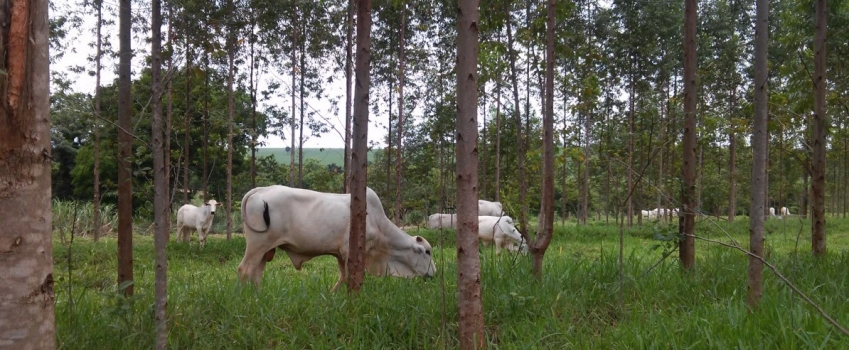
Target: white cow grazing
[
  {"x": 784, "y": 211},
  {"x": 437, "y": 221},
  {"x": 771, "y": 211},
  {"x": 487, "y": 208},
  {"x": 500, "y": 230},
  {"x": 306, "y": 224},
  {"x": 191, "y": 218}
]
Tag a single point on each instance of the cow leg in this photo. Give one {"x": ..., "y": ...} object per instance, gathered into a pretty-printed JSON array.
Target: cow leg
[
  {"x": 498, "y": 242},
  {"x": 253, "y": 264},
  {"x": 342, "y": 268},
  {"x": 201, "y": 236}
]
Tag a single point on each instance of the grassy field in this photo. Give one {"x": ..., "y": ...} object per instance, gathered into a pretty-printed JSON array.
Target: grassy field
[
  {"x": 324, "y": 155},
  {"x": 579, "y": 303}
]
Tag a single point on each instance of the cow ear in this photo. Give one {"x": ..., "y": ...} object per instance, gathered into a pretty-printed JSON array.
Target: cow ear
[{"x": 419, "y": 239}]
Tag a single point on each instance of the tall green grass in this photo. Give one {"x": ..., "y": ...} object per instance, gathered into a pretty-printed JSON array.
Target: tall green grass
[{"x": 580, "y": 302}]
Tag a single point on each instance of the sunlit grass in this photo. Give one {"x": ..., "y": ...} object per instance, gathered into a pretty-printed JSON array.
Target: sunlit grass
[{"x": 580, "y": 302}]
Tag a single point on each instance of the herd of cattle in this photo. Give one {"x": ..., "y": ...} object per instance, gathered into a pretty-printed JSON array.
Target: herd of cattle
[{"x": 306, "y": 224}]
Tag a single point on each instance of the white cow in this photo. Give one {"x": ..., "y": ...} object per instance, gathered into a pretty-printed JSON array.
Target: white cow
[
  {"x": 500, "y": 230},
  {"x": 306, "y": 224},
  {"x": 771, "y": 211},
  {"x": 437, "y": 221},
  {"x": 784, "y": 211},
  {"x": 191, "y": 218},
  {"x": 487, "y": 208}
]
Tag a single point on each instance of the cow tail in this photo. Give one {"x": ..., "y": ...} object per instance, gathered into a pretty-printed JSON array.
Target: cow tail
[
  {"x": 265, "y": 214},
  {"x": 247, "y": 218}
]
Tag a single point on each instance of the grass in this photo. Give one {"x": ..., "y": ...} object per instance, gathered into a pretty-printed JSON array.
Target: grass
[
  {"x": 324, "y": 155},
  {"x": 576, "y": 304}
]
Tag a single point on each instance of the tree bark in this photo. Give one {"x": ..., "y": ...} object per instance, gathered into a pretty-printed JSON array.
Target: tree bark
[
  {"x": 546, "y": 219},
  {"x": 631, "y": 98},
  {"x": 759, "y": 145},
  {"x": 294, "y": 100},
  {"x": 125, "y": 151},
  {"x": 188, "y": 121},
  {"x": 254, "y": 130},
  {"x": 160, "y": 183},
  {"x": 523, "y": 186},
  {"x": 469, "y": 302},
  {"x": 167, "y": 137},
  {"x": 26, "y": 294},
  {"x": 687, "y": 246},
  {"x": 498, "y": 140},
  {"x": 820, "y": 133},
  {"x": 231, "y": 111},
  {"x": 348, "y": 73},
  {"x": 732, "y": 161},
  {"x": 399, "y": 160},
  {"x": 96, "y": 125},
  {"x": 301, "y": 126},
  {"x": 359, "y": 162},
  {"x": 206, "y": 114}
]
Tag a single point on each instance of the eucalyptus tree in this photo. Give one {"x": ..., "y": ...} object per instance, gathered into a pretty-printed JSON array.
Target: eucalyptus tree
[
  {"x": 26, "y": 296},
  {"x": 687, "y": 246},
  {"x": 161, "y": 213},
  {"x": 759, "y": 145},
  {"x": 819, "y": 132},
  {"x": 125, "y": 152}
]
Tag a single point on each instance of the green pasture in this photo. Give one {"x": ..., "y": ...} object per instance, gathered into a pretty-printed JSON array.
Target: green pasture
[
  {"x": 579, "y": 303},
  {"x": 324, "y": 155}
]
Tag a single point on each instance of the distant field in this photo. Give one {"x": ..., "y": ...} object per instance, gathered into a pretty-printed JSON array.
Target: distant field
[{"x": 324, "y": 155}]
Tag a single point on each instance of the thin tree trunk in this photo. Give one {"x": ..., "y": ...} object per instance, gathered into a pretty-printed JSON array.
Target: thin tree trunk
[
  {"x": 399, "y": 160},
  {"x": 348, "y": 75},
  {"x": 686, "y": 247},
  {"x": 631, "y": 98},
  {"x": 188, "y": 120},
  {"x": 498, "y": 141},
  {"x": 206, "y": 114},
  {"x": 546, "y": 219},
  {"x": 167, "y": 136},
  {"x": 469, "y": 302},
  {"x": 388, "y": 151},
  {"x": 26, "y": 294},
  {"x": 231, "y": 111},
  {"x": 355, "y": 265},
  {"x": 254, "y": 130},
  {"x": 294, "y": 100},
  {"x": 759, "y": 145},
  {"x": 820, "y": 133},
  {"x": 160, "y": 182},
  {"x": 301, "y": 125},
  {"x": 523, "y": 187},
  {"x": 732, "y": 161},
  {"x": 483, "y": 151},
  {"x": 125, "y": 151},
  {"x": 96, "y": 126}
]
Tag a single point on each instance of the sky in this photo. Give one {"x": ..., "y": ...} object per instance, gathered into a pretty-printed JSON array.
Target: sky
[{"x": 79, "y": 50}]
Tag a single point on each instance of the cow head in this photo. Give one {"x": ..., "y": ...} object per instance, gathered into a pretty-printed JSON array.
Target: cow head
[
  {"x": 211, "y": 203},
  {"x": 415, "y": 259}
]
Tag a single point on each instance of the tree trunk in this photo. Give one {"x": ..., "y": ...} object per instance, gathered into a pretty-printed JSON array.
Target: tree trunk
[
  {"x": 819, "y": 134},
  {"x": 125, "y": 151},
  {"x": 630, "y": 165},
  {"x": 167, "y": 137},
  {"x": 359, "y": 162},
  {"x": 498, "y": 141},
  {"x": 254, "y": 130},
  {"x": 732, "y": 161},
  {"x": 96, "y": 125},
  {"x": 523, "y": 186},
  {"x": 160, "y": 183},
  {"x": 301, "y": 126},
  {"x": 469, "y": 302},
  {"x": 348, "y": 73},
  {"x": 231, "y": 111},
  {"x": 399, "y": 160},
  {"x": 546, "y": 218},
  {"x": 26, "y": 294},
  {"x": 388, "y": 151},
  {"x": 206, "y": 114},
  {"x": 759, "y": 145},
  {"x": 687, "y": 246},
  {"x": 294, "y": 100},
  {"x": 188, "y": 120}
]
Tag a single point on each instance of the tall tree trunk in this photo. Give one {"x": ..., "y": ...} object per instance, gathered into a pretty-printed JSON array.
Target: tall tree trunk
[
  {"x": 188, "y": 121},
  {"x": 820, "y": 133},
  {"x": 167, "y": 134},
  {"x": 206, "y": 114},
  {"x": 631, "y": 98},
  {"x": 97, "y": 114},
  {"x": 254, "y": 130},
  {"x": 546, "y": 218},
  {"x": 498, "y": 140},
  {"x": 231, "y": 111},
  {"x": 26, "y": 294},
  {"x": 301, "y": 126},
  {"x": 523, "y": 186},
  {"x": 399, "y": 160},
  {"x": 125, "y": 151},
  {"x": 160, "y": 182},
  {"x": 355, "y": 265},
  {"x": 687, "y": 246},
  {"x": 469, "y": 302},
  {"x": 294, "y": 100},
  {"x": 348, "y": 74},
  {"x": 759, "y": 145},
  {"x": 388, "y": 151},
  {"x": 732, "y": 160}
]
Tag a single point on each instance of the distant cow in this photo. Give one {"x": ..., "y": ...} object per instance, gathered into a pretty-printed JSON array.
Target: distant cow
[
  {"x": 306, "y": 224},
  {"x": 501, "y": 231},
  {"x": 784, "y": 211},
  {"x": 487, "y": 208},
  {"x": 191, "y": 218},
  {"x": 771, "y": 211},
  {"x": 437, "y": 221}
]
